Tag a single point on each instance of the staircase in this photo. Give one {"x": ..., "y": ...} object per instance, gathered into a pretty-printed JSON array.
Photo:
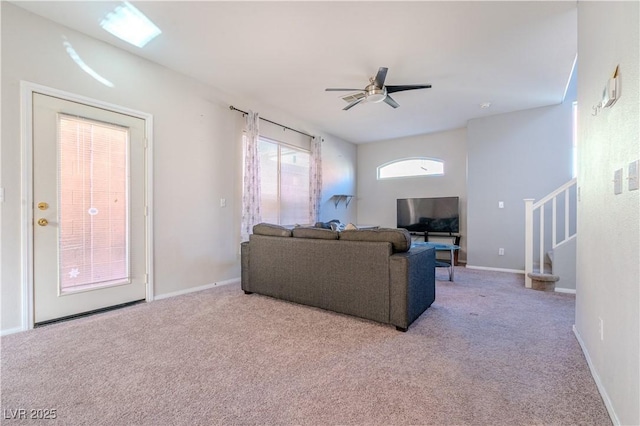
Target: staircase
[{"x": 550, "y": 234}]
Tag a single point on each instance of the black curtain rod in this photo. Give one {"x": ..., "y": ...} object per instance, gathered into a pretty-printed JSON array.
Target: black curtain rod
[{"x": 232, "y": 108}]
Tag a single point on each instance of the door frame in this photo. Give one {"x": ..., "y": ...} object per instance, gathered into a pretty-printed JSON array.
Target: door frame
[{"x": 26, "y": 187}]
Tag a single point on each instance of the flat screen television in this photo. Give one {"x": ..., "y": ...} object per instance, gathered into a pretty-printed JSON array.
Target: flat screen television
[{"x": 439, "y": 214}]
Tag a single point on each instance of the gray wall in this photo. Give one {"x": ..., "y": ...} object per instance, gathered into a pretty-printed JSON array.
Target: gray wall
[
  {"x": 339, "y": 177},
  {"x": 608, "y": 271},
  {"x": 377, "y": 198},
  {"x": 196, "y": 153},
  {"x": 525, "y": 154}
]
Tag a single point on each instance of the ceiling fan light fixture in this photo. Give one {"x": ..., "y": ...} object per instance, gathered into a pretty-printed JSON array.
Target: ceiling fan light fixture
[
  {"x": 376, "y": 91},
  {"x": 375, "y": 94}
]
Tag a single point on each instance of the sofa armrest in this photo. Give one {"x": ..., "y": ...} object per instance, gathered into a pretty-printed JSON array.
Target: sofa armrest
[
  {"x": 244, "y": 262},
  {"x": 412, "y": 285}
]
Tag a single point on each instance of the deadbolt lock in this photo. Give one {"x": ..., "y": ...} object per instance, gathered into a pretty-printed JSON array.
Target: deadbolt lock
[
  {"x": 43, "y": 206},
  {"x": 43, "y": 222}
]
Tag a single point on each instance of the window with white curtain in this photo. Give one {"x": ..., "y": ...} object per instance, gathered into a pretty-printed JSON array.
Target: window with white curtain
[{"x": 284, "y": 173}]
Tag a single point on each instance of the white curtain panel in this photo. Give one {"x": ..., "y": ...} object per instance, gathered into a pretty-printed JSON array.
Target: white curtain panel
[
  {"x": 315, "y": 180},
  {"x": 251, "y": 189}
]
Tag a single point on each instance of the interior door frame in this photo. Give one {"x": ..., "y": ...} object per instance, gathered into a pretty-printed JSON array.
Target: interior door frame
[{"x": 26, "y": 135}]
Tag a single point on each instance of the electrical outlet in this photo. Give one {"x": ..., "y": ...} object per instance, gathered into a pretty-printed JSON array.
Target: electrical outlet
[
  {"x": 501, "y": 204},
  {"x": 223, "y": 202},
  {"x": 500, "y": 251}
]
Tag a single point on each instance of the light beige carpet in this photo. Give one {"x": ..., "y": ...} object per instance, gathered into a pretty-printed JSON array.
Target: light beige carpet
[{"x": 488, "y": 352}]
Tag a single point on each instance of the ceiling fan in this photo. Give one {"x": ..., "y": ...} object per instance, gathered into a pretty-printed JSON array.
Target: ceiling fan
[{"x": 376, "y": 91}]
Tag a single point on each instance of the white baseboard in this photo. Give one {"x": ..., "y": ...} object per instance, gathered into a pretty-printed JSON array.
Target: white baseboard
[
  {"x": 486, "y": 268},
  {"x": 11, "y": 331},
  {"x": 565, "y": 290},
  {"x": 195, "y": 289},
  {"x": 603, "y": 392}
]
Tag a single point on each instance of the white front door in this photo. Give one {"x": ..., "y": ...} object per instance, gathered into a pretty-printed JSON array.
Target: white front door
[{"x": 88, "y": 208}]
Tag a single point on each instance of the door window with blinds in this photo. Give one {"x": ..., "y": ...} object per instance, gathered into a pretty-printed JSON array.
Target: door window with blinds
[
  {"x": 284, "y": 183},
  {"x": 93, "y": 170}
]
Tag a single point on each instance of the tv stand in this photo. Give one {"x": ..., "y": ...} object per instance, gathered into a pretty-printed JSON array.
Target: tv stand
[{"x": 455, "y": 238}]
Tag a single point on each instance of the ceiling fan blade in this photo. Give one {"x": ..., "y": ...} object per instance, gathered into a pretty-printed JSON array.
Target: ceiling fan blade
[
  {"x": 389, "y": 101},
  {"x": 352, "y": 104},
  {"x": 393, "y": 89},
  {"x": 380, "y": 77},
  {"x": 343, "y": 90}
]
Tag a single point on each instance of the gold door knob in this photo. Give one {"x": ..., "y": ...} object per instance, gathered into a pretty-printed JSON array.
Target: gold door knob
[
  {"x": 43, "y": 222},
  {"x": 43, "y": 206}
]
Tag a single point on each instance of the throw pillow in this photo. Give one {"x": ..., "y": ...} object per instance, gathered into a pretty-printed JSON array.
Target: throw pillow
[
  {"x": 326, "y": 225},
  {"x": 337, "y": 226}
]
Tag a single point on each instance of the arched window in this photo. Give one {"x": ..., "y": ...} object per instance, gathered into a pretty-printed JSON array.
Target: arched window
[{"x": 411, "y": 167}]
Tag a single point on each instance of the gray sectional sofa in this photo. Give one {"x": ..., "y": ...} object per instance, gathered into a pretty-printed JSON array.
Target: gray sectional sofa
[{"x": 372, "y": 274}]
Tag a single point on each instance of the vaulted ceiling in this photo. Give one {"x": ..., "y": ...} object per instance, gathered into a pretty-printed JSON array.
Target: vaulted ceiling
[{"x": 513, "y": 55}]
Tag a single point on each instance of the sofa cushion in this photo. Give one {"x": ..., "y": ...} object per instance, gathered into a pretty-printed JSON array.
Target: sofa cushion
[
  {"x": 271, "y": 230},
  {"x": 400, "y": 239},
  {"x": 317, "y": 233}
]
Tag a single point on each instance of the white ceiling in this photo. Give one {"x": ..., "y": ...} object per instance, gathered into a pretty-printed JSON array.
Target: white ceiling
[{"x": 516, "y": 55}]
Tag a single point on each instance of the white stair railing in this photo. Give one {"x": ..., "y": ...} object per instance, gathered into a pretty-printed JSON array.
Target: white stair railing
[{"x": 532, "y": 209}]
